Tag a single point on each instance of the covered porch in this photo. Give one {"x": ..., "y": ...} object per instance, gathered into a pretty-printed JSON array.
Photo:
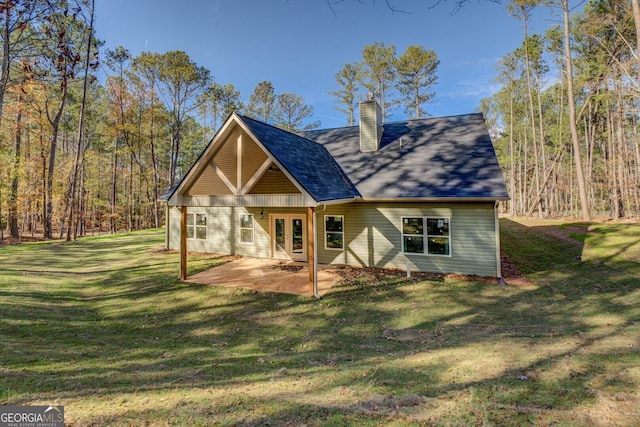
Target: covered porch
[{"x": 268, "y": 275}]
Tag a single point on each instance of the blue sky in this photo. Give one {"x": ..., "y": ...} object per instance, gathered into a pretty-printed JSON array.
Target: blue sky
[{"x": 299, "y": 45}]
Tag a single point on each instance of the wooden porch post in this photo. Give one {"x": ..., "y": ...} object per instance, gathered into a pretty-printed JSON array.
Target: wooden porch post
[
  {"x": 311, "y": 236},
  {"x": 183, "y": 243}
]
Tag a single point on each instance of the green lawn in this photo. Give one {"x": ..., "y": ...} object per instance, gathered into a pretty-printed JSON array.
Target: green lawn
[{"x": 103, "y": 327}]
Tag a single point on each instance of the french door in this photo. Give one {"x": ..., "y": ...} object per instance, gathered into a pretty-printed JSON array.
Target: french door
[{"x": 288, "y": 237}]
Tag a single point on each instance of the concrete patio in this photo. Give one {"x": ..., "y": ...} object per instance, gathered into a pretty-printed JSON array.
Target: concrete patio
[{"x": 267, "y": 275}]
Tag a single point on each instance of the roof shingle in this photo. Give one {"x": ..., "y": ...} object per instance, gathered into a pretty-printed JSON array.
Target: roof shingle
[
  {"x": 445, "y": 157},
  {"x": 308, "y": 162}
]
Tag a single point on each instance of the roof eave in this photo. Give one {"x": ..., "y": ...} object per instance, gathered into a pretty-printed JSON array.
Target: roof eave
[
  {"x": 337, "y": 201},
  {"x": 274, "y": 159},
  {"x": 436, "y": 199},
  {"x": 171, "y": 195}
]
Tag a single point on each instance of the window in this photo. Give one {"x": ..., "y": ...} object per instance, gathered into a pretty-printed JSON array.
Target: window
[
  {"x": 413, "y": 235},
  {"x": 246, "y": 228},
  {"x": 417, "y": 230},
  {"x": 438, "y": 236},
  {"x": 196, "y": 226},
  {"x": 334, "y": 232}
]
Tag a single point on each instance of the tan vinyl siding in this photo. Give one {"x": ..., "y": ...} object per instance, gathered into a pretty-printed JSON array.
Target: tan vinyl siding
[
  {"x": 274, "y": 182},
  {"x": 174, "y": 228},
  {"x": 209, "y": 183},
  {"x": 252, "y": 158},
  {"x": 223, "y": 236},
  {"x": 373, "y": 237},
  {"x": 227, "y": 157}
]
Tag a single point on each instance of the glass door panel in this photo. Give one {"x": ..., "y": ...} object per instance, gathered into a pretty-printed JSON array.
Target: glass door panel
[
  {"x": 288, "y": 237},
  {"x": 280, "y": 245},
  {"x": 297, "y": 236}
]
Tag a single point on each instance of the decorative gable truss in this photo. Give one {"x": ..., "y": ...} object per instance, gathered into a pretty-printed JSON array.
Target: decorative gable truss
[{"x": 235, "y": 170}]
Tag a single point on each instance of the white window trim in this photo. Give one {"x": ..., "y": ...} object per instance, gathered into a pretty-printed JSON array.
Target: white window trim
[
  {"x": 195, "y": 226},
  {"x": 426, "y": 236},
  {"x": 240, "y": 228},
  {"x": 341, "y": 232}
]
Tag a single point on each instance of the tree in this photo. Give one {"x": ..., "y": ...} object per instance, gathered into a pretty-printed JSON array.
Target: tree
[
  {"x": 14, "y": 230},
  {"x": 582, "y": 189},
  {"x": 93, "y": 64},
  {"x": 145, "y": 74},
  {"x": 262, "y": 102},
  {"x": 416, "y": 69},
  {"x": 61, "y": 31},
  {"x": 378, "y": 74},
  {"x": 291, "y": 111},
  {"x": 521, "y": 9},
  {"x": 508, "y": 69},
  {"x": 17, "y": 21},
  {"x": 635, "y": 5},
  {"x": 19, "y": 44},
  {"x": 116, "y": 60},
  {"x": 347, "y": 95},
  {"x": 221, "y": 100},
  {"x": 182, "y": 81}
]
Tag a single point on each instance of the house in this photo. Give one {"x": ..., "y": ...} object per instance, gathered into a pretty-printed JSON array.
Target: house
[{"x": 415, "y": 194}]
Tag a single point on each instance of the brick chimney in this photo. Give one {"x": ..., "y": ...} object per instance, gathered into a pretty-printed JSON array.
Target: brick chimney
[{"x": 370, "y": 125}]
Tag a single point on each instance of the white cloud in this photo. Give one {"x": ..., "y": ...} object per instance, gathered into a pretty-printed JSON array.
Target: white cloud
[{"x": 473, "y": 89}]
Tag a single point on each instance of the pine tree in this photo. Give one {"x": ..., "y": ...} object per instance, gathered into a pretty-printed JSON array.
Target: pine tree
[{"x": 416, "y": 69}]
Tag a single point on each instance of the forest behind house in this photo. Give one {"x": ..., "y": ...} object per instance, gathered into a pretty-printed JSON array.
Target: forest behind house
[{"x": 81, "y": 154}]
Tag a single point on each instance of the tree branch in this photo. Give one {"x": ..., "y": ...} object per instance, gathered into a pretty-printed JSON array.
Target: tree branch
[
  {"x": 458, "y": 4},
  {"x": 390, "y": 6}
]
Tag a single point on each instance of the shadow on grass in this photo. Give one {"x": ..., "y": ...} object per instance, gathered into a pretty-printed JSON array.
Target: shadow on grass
[{"x": 396, "y": 349}]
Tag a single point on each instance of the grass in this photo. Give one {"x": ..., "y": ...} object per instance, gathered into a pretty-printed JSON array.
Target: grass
[{"x": 103, "y": 327}]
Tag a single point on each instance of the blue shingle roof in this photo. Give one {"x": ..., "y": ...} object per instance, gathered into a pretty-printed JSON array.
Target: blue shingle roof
[
  {"x": 308, "y": 162},
  {"x": 436, "y": 158},
  {"x": 444, "y": 157}
]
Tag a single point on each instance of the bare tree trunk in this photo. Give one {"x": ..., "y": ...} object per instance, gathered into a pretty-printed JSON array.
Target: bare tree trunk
[
  {"x": 620, "y": 143},
  {"x": 636, "y": 19},
  {"x": 43, "y": 159},
  {"x": 55, "y": 125},
  {"x": 636, "y": 183},
  {"x": 130, "y": 197},
  {"x": 614, "y": 200},
  {"x": 525, "y": 174},
  {"x": 175, "y": 151},
  {"x": 80, "y": 145},
  {"x": 521, "y": 178},
  {"x": 543, "y": 154},
  {"x": 584, "y": 201},
  {"x": 539, "y": 196},
  {"x": 5, "y": 68},
  {"x": 80, "y": 228},
  {"x": 525, "y": 17},
  {"x": 512, "y": 171},
  {"x": 14, "y": 230},
  {"x": 114, "y": 185},
  {"x": 155, "y": 172},
  {"x": 560, "y": 134}
]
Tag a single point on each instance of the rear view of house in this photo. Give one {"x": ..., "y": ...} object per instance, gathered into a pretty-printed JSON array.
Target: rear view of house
[{"x": 418, "y": 194}]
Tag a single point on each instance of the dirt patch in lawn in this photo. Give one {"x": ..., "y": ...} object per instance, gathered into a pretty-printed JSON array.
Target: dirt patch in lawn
[
  {"x": 511, "y": 274},
  {"x": 568, "y": 233}
]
